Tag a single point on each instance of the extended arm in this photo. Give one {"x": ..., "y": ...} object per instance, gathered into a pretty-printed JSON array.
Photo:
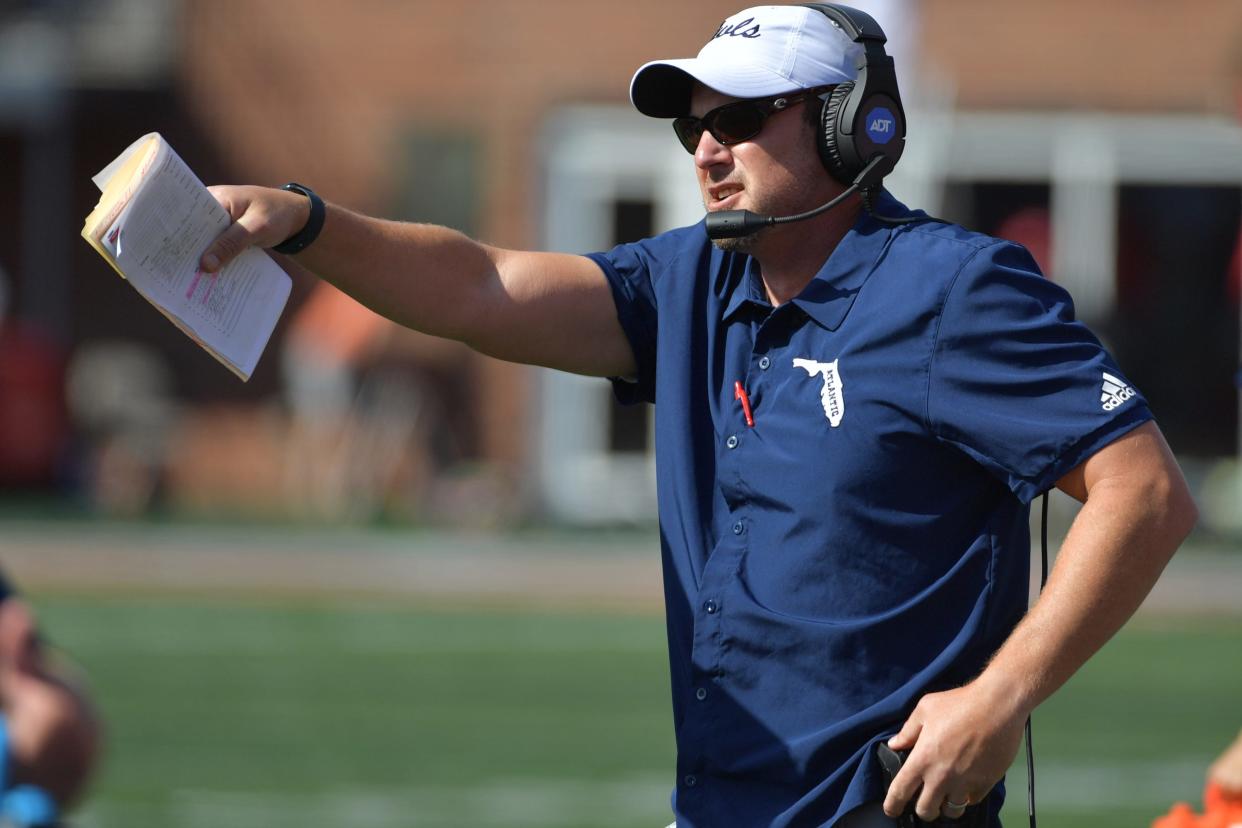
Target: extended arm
[
  {"x": 539, "y": 308},
  {"x": 1136, "y": 511}
]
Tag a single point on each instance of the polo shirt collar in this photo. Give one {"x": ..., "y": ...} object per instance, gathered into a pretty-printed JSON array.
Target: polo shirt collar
[
  {"x": 830, "y": 295},
  {"x": 748, "y": 291}
]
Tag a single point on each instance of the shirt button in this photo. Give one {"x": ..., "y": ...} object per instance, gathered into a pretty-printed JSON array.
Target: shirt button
[
  {"x": 764, "y": 362},
  {"x": 691, "y": 780},
  {"x": 732, "y": 441},
  {"x": 701, "y": 693},
  {"x": 711, "y": 607},
  {"x": 739, "y": 528}
]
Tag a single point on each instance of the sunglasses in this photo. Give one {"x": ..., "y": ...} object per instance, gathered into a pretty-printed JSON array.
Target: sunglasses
[{"x": 735, "y": 122}]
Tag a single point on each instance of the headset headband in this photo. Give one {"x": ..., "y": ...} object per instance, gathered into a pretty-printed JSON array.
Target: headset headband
[{"x": 859, "y": 25}]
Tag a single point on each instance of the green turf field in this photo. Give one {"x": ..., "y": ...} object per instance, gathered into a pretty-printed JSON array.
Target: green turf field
[{"x": 234, "y": 714}]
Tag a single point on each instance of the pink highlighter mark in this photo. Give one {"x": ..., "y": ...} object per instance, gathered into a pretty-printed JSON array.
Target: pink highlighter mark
[{"x": 198, "y": 277}]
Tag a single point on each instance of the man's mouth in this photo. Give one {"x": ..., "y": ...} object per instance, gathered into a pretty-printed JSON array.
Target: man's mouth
[{"x": 723, "y": 193}]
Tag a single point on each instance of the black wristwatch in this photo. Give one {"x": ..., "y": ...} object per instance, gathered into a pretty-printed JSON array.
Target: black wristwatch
[{"x": 300, "y": 240}]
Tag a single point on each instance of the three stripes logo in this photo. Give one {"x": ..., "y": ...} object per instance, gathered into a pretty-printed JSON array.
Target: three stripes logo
[{"x": 1115, "y": 392}]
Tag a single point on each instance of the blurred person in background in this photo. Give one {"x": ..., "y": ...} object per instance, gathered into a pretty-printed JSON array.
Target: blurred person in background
[
  {"x": 367, "y": 437},
  {"x": 1234, "y": 275},
  {"x": 328, "y": 338},
  {"x": 49, "y": 734},
  {"x": 34, "y": 423},
  {"x": 1224, "y": 776},
  {"x": 855, "y": 413},
  {"x": 1226, "y": 771}
]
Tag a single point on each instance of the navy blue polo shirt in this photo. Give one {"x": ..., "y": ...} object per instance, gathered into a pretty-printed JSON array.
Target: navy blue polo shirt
[{"x": 865, "y": 542}]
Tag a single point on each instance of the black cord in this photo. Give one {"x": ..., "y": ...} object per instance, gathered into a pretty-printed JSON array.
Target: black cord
[
  {"x": 1043, "y": 544},
  {"x": 868, "y": 195},
  {"x": 1043, "y": 579},
  {"x": 1030, "y": 774}
]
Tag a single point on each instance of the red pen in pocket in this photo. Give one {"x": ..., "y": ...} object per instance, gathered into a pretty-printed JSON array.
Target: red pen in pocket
[{"x": 739, "y": 393}]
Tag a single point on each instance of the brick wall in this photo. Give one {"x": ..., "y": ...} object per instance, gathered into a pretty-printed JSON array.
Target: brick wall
[
  {"x": 320, "y": 92},
  {"x": 1110, "y": 54}
]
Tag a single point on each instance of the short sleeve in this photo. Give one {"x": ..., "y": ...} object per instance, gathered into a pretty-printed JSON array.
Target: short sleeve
[
  {"x": 629, "y": 276},
  {"x": 1016, "y": 382}
]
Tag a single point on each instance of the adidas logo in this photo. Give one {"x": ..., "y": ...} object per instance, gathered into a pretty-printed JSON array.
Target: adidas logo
[{"x": 1115, "y": 392}]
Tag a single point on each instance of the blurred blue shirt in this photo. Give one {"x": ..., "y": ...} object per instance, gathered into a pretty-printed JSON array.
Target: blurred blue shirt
[{"x": 866, "y": 541}]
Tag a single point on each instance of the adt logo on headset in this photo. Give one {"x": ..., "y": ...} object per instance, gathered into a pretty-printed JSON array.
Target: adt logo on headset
[{"x": 881, "y": 125}]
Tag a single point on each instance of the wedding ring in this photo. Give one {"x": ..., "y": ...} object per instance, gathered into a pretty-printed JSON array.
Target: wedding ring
[{"x": 950, "y": 805}]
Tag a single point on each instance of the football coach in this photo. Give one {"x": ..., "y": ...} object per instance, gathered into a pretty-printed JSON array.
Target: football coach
[{"x": 855, "y": 405}]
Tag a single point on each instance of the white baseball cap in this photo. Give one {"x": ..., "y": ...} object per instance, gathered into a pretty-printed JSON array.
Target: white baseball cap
[{"x": 758, "y": 52}]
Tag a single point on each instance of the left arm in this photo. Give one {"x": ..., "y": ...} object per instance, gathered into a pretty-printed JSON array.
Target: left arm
[{"x": 1136, "y": 511}]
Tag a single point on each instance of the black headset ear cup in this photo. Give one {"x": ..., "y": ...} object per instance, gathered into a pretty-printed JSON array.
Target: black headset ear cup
[{"x": 830, "y": 134}]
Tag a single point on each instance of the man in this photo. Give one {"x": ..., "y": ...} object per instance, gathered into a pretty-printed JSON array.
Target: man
[
  {"x": 852, "y": 419},
  {"x": 49, "y": 736}
]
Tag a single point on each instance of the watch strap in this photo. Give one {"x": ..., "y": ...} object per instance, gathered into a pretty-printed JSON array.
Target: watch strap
[{"x": 300, "y": 240}]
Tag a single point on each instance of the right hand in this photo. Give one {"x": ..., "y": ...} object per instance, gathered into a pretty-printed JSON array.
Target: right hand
[
  {"x": 262, "y": 217},
  {"x": 961, "y": 741}
]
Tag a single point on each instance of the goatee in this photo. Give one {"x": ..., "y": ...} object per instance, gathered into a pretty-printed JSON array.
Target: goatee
[{"x": 737, "y": 244}]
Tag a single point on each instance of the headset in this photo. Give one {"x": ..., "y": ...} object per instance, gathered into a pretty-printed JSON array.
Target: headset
[
  {"x": 861, "y": 135},
  {"x": 861, "y": 119}
]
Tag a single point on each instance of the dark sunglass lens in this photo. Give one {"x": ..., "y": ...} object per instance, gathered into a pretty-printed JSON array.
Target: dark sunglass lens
[
  {"x": 736, "y": 122},
  {"x": 689, "y": 131}
]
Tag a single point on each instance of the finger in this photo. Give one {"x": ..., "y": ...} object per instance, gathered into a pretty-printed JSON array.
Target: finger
[
  {"x": 909, "y": 733},
  {"x": 948, "y": 812},
  {"x": 954, "y": 805},
  {"x": 903, "y": 789},
  {"x": 930, "y": 801},
  {"x": 227, "y": 247},
  {"x": 906, "y": 783},
  {"x": 223, "y": 194}
]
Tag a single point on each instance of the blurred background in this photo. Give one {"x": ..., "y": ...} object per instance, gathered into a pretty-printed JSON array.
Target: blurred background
[{"x": 389, "y": 582}]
